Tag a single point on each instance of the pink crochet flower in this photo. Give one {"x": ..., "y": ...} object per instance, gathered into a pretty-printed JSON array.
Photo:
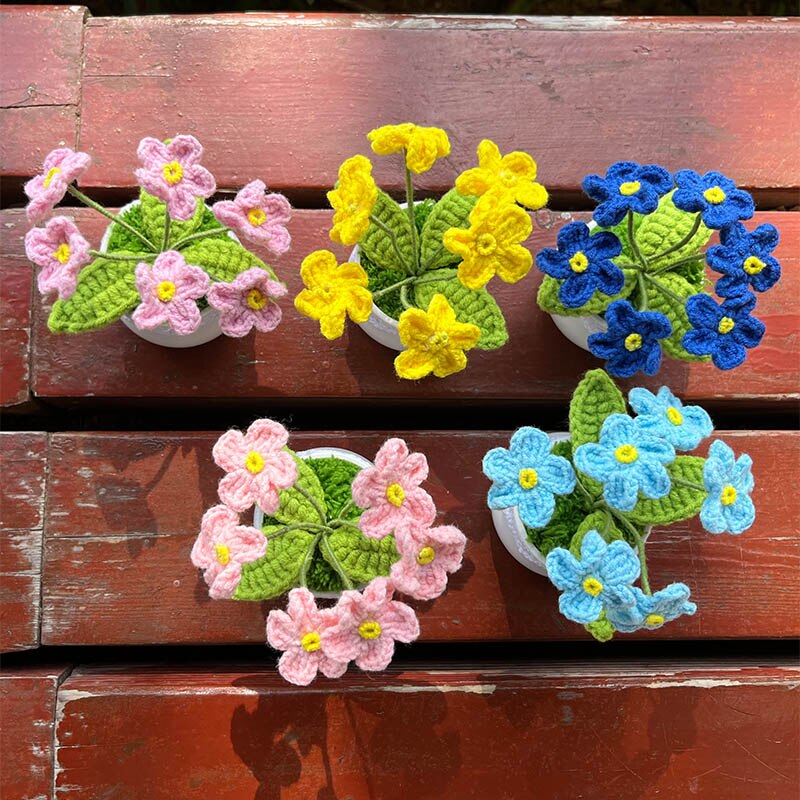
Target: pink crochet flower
[
  {"x": 390, "y": 491},
  {"x": 222, "y": 547},
  {"x": 298, "y": 632},
  {"x": 247, "y": 302},
  {"x": 369, "y": 624},
  {"x": 60, "y": 250},
  {"x": 172, "y": 173},
  {"x": 169, "y": 290},
  {"x": 61, "y": 168},
  {"x": 258, "y": 216},
  {"x": 426, "y": 556},
  {"x": 257, "y": 466}
]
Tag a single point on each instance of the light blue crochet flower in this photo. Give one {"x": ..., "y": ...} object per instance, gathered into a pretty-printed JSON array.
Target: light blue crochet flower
[
  {"x": 527, "y": 475},
  {"x": 626, "y": 460},
  {"x": 652, "y": 611},
  {"x": 728, "y": 481},
  {"x": 665, "y": 416},
  {"x": 600, "y": 580}
]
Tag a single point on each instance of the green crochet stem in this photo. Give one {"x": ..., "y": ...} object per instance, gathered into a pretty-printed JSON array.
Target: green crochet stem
[
  {"x": 661, "y": 288},
  {"x": 410, "y": 211},
  {"x": 404, "y": 297},
  {"x": 675, "y": 264},
  {"x": 200, "y": 235},
  {"x": 637, "y": 537},
  {"x": 297, "y": 526},
  {"x": 302, "y": 577},
  {"x": 313, "y": 501},
  {"x": 87, "y": 201},
  {"x": 690, "y": 484},
  {"x": 632, "y": 239},
  {"x": 390, "y": 233},
  {"x": 167, "y": 223},
  {"x": 686, "y": 239},
  {"x": 114, "y": 256},
  {"x": 642, "y": 291},
  {"x": 336, "y": 564},
  {"x": 395, "y": 286}
]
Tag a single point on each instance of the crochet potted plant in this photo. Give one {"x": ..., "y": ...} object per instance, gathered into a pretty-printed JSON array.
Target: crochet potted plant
[
  {"x": 580, "y": 509},
  {"x": 633, "y": 282},
  {"x": 170, "y": 266},
  {"x": 328, "y": 524},
  {"x": 415, "y": 280}
]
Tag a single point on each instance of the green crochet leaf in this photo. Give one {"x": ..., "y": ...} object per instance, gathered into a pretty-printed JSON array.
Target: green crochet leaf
[
  {"x": 452, "y": 211},
  {"x": 294, "y": 507},
  {"x": 601, "y": 628},
  {"x": 377, "y": 244},
  {"x": 598, "y": 521},
  {"x": 547, "y": 297},
  {"x": 154, "y": 216},
  {"x": 470, "y": 305},
  {"x": 362, "y": 559},
  {"x": 121, "y": 239},
  {"x": 279, "y": 569},
  {"x": 106, "y": 290},
  {"x": 595, "y": 398},
  {"x": 675, "y": 311},
  {"x": 664, "y": 228},
  {"x": 621, "y": 232},
  {"x": 222, "y": 258},
  {"x": 681, "y": 503}
]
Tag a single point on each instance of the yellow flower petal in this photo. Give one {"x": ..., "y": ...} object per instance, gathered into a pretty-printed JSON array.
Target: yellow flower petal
[
  {"x": 413, "y": 364},
  {"x": 519, "y": 165},
  {"x": 414, "y": 327},
  {"x": 449, "y": 361},
  {"x": 489, "y": 156},
  {"x": 515, "y": 264},
  {"x": 425, "y": 146},
  {"x": 390, "y": 138},
  {"x": 459, "y": 241},
  {"x": 352, "y": 200},
  {"x": 465, "y": 335},
  {"x": 531, "y": 195},
  {"x": 331, "y": 323},
  {"x": 317, "y": 268},
  {"x": 359, "y": 305},
  {"x": 355, "y": 273},
  {"x": 475, "y": 273},
  {"x": 512, "y": 225},
  {"x": 441, "y": 313}
]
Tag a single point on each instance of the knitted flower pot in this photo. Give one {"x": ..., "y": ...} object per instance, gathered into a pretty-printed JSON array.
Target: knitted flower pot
[
  {"x": 170, "y": 266},
  {"x": 633, "y": 283},
  {"x": 587, "y": 502},
  {"x": 328, "y": 525},
  {"x": 415, "y": 281}
]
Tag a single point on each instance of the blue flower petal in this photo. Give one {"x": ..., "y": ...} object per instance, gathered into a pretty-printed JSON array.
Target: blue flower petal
[
  {"x": 621, "y": 492},
  {"x": 529, "y": 445},
  {"x": 557, "y": 475},
  {"x": 579, "y": 606},
  {"x": 536, "y": 507},
  {"x": 563, "y": 569},
  {"x": 620, "y": 565}
]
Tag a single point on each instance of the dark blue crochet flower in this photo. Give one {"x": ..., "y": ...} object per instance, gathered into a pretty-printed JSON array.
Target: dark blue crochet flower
[
  {"x": 631, "y": 342},
  {"x": 714, "y": 196},
  {"x": 723, "y": 332},
  {"x": 627, "y": 187},
  {"x": 744, "y": 259},
  {"x": 583, "y": 262}
]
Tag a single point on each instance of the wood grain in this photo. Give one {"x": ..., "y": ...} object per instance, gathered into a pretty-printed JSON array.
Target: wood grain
[
  {"x": 295, "y": 361},
  {"x": 124, "y": 509},
  {"x": 23, "y": 459},
  {"x": 578, "y": 94},
  {"x": 549, "y": 730}
]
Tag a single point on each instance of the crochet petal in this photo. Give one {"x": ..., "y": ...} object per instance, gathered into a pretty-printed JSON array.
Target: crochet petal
[
  {"x": 237, "y": 492},
  {"x": 530, "y": 445},
  {"x": 711, "y": 516},
  {"x": 225, "y": 582},
  {"x": 230, "y": 451},
  {"x": 563, "y": 569},
  {"x": 536, "y": 507},
  {"x": 593, "y": 548},
  {"x": 740, "y": 515},
  {"x": 620, "y": 564},
  {"x": 556, "y": 475},
  {"x": 579, "y": 606},
  {"x": 595, "y": 460},
  {"x": 501, "y": 465},
  {"x": 298, "y": 667},
  {"x": 644, "y": 402},
  {"x": 251, "y": 195},
  {"x": 330, "y": 667},
  {"x": 399, "y": 621},
  {"x": 504, "y": 496},
  {"x": 621, "y": 491},
  {"x": 282, "y": 633},
  {"x": 376, "y": 655}
]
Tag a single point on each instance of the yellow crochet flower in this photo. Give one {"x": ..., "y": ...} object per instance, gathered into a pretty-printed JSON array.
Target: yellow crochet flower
[
  {"x": 332, "y": 292},
  {"x": 422, "y": 145},
  {"x": 492, "y": 243},
  {"x": 436, "y": 341},
  {"x": 352, "y": 199},
  {"x": 513, "y": 173}
]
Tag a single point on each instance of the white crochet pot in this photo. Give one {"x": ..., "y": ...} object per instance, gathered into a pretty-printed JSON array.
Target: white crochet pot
[
  {"x": 320, "y": 452},
  {"x": 163, "y": 335}
]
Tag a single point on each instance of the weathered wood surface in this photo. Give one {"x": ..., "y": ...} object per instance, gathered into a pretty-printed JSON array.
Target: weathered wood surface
[
  {"x": 577, "y": 93},
  {"x": 27, "y": 712},
  {"x": 40, "y": 68},
  {"x": 124, "y": 509},
  {"x": 538, "y": 364},
  {"x": 23, "y": 458},
  {"x": 554, "y": 730}
]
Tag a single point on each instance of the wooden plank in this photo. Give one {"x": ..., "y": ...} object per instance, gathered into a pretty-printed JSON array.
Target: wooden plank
[
  {"x": 23, "y": 458},
  {"x": 124, "y": 509},
  {"x": 600, "y": 730},
  {"x": 590, "y": 90},
  {"x": 27, "y": 708},
  {"x": 39, "y": 83},
  {"x": 538, "y": 364}
]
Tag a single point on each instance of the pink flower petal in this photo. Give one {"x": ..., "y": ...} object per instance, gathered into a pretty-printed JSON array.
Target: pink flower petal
[
  {"x": 251, "y": 196},
  {"x": 298, "y": 667},
  {"x": 230, "y": 451},
  {"x": 224, "y": 584},
  {"x": 282, "y": 632},
  {"x": 246, "y": 544},
  {"x": 268, "y": 318},
  {"x": 330, "y": 667},
  {"x": 229, "y": 214},
  {"x": 376, "y": 655},
  {"x": 185, "y": 149},
  {"x": 341, "y": 643},
  {"x": 267, "y": 436},
  {"x": 377, "y": 592},
  {"x": 237, "y": 492},
  {"x": 392, "y": 454},
  {"x": 153, "y": 153}
]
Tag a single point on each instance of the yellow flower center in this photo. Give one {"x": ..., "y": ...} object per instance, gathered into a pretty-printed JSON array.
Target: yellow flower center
[
  {"x": 369, "y": 630},
  {"x": 714, "y": 195},
  {"x": 486, "y": 244},
  {"x": 426, "y": 555},
  {"x": 166, "y": 291},
  {"x": 437, "y": 341},
  {"x": 726, "y": 325},
  {"x": 62, "y": 254},
  {"x": 629, "y": 187},
  {"x": 633, "y": 341},
  {"x": 728, "y": 495},
  {"x": 222, "y": 553},
  {"x": 507, "y": 178},
  {"x": 310, "y": 642},
  {"x": 395, "y": 494},
  {"x": 579, "y": 262},
  {"x": 753, "y": 265},
  {"x": 674, "y": 416},
  {"x": 654, "y": 620},
  {"x": 592, "y": 586},
  {"x": 173, "y": 172},
  {"x": 528, "y": 478},
  {"x": 256, "y": 299},
  {"x": 256, "y": 217},
  {"x": 254, "y": 462},
  {"x": 48, "y": 179},
  {"x": 626, "y": 454}
]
